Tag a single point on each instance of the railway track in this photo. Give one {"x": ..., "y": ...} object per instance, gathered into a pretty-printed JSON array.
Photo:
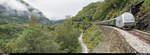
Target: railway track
[
  {"x": 141, "y": 35},
  {"x": 145, "y": 37},
  {"x": 138, "y": 41}
]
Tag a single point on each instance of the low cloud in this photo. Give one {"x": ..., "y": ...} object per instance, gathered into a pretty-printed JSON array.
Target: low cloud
[
  {"x": 59, "y": 8},
  {"x": 13, "y": 4}
]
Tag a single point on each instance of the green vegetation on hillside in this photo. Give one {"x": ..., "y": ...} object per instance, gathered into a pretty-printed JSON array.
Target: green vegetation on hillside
[
  {"x": 67, "y": 37},
  {"x": 92, "y": 37},
  {"x": 34, "y": 37},
  {"x": 109, "y": 9},
  {"x": 21, "y": 36},
  {"x": 142, "y": 17},
  {"x": 6, "y": 18}
]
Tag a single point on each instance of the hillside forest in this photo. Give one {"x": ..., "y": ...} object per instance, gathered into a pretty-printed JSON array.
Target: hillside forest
[{"x": 18, "y": 35}]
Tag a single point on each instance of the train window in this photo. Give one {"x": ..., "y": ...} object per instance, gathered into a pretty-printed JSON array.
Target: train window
[
  {"x": 128, "y": 17},
  {"x": 118, "y": 20}
]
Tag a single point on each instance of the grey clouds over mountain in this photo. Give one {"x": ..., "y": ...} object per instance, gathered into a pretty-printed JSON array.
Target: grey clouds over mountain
[
  {"x": 21, "y": 9},
  {"x": 59, "y": 8}
]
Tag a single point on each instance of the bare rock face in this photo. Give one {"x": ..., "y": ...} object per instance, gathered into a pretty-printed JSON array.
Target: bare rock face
[
  {"x": 19, "y": 8},
  {"x": 136, "y": 8},
  {"x": 144, "y": 24},
  {"x": 142, "y": 18}
]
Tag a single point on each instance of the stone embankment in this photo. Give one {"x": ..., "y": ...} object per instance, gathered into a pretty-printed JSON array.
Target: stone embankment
[{"x": 120, "y": 41}]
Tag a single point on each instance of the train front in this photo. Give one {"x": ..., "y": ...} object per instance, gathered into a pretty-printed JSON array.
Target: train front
[{"x": 128, "y": 20}]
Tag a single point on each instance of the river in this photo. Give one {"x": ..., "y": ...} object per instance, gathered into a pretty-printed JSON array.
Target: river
[{"x": 84, "y": 47}]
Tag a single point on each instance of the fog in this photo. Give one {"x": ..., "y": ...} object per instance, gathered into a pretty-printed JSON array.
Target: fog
[
  {"x": 13, "y": 4},
  {"x": 58, "y": 9}
]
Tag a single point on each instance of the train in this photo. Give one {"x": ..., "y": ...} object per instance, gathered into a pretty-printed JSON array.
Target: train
[{"x": 125, "y": 20}]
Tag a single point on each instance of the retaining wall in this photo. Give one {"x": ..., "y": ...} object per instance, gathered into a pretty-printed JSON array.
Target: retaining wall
[{"x": 123, "y": 42}]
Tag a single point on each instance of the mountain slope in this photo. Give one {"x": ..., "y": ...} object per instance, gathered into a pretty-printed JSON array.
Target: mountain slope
[
  {"x": 22, "y": 10},
  {"x": 109, "y": 9}
]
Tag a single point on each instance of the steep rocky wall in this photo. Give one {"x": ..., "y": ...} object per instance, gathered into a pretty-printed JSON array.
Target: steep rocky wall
[{"x": 142, "y": 16}]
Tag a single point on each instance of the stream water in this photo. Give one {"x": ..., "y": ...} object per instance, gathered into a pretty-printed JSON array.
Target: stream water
[{"x": 84, "y": 47}]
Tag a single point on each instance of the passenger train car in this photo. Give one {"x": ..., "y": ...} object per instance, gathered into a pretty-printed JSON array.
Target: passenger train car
[{"x": 126, "y": 20}]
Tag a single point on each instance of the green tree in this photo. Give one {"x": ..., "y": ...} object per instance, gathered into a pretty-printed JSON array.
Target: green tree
[
  {"x": 33, "y": 21},
  {"x": 34, "y": 39},
  {"x": 67, "y": 37}
]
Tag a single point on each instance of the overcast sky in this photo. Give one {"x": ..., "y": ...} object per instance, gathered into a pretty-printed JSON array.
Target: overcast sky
[{"x": 59, "y": 8}]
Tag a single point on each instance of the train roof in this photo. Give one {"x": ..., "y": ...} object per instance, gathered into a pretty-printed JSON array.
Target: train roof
[{"x": 127, "y": 13}]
